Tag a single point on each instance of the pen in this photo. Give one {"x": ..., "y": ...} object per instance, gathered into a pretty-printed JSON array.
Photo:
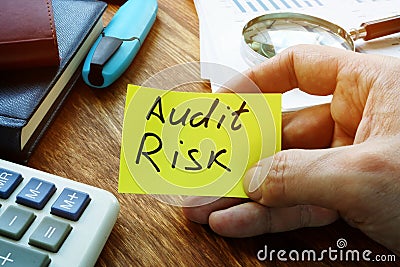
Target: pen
[{"x": 120, "y": 41}]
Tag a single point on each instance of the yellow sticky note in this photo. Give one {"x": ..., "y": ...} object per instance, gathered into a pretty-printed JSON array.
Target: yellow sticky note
[{"x": 183, "y": 143}]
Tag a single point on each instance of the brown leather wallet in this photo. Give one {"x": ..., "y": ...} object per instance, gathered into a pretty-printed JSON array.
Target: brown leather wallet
[{"x": 27, "y": 34}]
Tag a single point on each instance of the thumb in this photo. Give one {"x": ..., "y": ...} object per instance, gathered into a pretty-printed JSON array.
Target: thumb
[{"x": 295, "y": 177}]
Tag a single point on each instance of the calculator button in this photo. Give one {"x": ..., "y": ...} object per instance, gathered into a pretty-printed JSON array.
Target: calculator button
[
  {"x": 70, "y": 204},
  {"x": 14, "y": 222},
  {"x": 36, "y": 193},
  {"x": 50, "y": 234},
  {"x": 8, "y": 182},
  {"x": 13, "y": 255}
]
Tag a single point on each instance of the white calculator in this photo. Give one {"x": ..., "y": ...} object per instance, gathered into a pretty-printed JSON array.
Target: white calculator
[{"x": 47, "y": 220}]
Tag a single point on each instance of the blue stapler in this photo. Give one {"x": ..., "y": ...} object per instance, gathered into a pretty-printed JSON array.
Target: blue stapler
[{"x": 121, "y": 39}]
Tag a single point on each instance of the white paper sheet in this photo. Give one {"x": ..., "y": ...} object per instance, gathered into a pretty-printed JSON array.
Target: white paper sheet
[{"x": 222, "y": 21}]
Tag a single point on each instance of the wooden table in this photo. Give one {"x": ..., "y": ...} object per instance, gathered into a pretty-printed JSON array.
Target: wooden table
[{"x": 83, "y": 144}]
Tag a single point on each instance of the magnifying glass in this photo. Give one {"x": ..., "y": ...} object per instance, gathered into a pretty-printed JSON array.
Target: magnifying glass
[{"x": 267, "y": 35}]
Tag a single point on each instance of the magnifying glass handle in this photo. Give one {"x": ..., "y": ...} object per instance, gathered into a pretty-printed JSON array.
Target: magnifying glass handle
[{"x": 377, "y": 28}]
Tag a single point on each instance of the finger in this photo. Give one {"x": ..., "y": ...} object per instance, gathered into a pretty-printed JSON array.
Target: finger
[
  {"x": 198, "y": 209},
  {"x": 294, "y": 177},
  {"x": 312, "y": 69},
  {"x": 251, "y": 219},
  {"x": 307, "y": 128}
]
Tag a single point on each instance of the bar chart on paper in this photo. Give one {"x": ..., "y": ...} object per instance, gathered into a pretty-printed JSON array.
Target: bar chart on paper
[
  {"x": 251, "y": 6},
  {"x": 245, "y": 6}
]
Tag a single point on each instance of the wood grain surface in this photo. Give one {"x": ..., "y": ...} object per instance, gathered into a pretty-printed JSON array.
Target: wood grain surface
[{"x": 83, "y": 144}]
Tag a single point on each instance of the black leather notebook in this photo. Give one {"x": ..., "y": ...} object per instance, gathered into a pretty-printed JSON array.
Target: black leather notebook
[{"x": 30, "y": 98}]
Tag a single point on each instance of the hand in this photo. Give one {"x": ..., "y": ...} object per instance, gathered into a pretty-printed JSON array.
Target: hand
[{"x": 339, "y": 159}]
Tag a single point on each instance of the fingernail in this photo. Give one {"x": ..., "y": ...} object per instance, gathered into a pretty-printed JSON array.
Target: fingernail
[
  {"x": 252, "y": 179},
  {"x": 255, "y": 176}
]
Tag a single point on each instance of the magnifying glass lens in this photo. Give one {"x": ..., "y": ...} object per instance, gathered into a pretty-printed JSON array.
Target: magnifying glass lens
[{"x": 269, "y": 36}]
